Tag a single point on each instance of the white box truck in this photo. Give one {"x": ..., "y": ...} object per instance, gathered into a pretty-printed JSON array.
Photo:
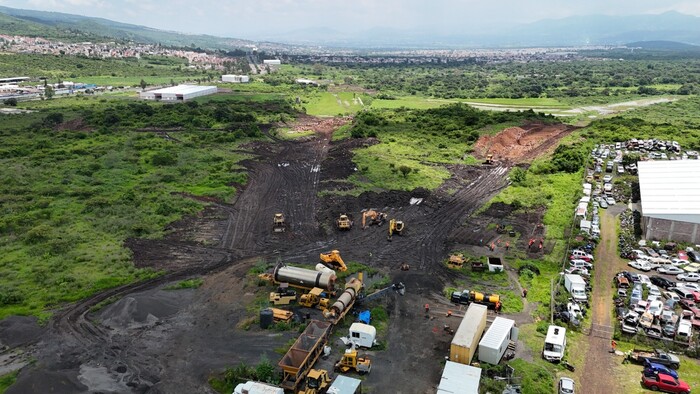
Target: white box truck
[
  {"x": 554, "y": 344},
  {"x": 576, "y": 286},
  {"x": 251, "y": 387}
]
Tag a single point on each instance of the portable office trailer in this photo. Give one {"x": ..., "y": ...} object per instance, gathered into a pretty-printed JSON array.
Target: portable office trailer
[
  {"x": 362, "y": 335},
  {"x": 467, "y": 337},
  {"x": 496, "y": 340},
  {"x": 459, "y": 379}
]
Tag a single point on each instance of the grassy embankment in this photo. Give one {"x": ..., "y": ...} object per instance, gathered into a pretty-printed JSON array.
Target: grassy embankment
[{"x": 70, "y": 198}]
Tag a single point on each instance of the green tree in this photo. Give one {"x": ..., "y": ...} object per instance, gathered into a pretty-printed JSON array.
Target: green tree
[
  {"x": 48, "y": 92},
  {"x": 143, "y": 84},
  {"x": 11, "y": 102}
]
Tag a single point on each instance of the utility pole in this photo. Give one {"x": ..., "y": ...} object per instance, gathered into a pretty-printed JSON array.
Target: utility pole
[{"x": 551, "y": 301}]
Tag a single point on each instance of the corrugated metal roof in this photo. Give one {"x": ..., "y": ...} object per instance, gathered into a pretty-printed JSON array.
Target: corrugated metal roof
[
  {"x": 499, "y": 330},
  {"x": 465, "y": 333},
  {"x": 459, "y": 379},
  {"x": 344, "y": 385},
  {"x": 670, "y": 189},
  {"x": 182, "y": 89}
]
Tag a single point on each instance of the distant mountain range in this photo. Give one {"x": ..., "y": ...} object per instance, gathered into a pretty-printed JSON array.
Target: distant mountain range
[
  {"x": 81, "y": 28},
  {"x": 572, "y": 31}
]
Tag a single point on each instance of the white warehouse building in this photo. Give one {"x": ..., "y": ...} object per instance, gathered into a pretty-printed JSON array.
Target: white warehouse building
[
  {"x": 670, "y": 199},
  {"x": 178, "y": 93},
  {"x": 235, "y": 78}
]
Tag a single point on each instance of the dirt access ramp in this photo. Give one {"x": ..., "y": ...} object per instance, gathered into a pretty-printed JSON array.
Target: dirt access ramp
[{"x": 522, "y": 144}]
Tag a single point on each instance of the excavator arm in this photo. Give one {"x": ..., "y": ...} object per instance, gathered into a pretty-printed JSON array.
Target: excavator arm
[{"x": 333, "y": 260}]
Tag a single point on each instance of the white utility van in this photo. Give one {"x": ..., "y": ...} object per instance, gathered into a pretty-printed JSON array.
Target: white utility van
[{"x": 554, "y": 344}]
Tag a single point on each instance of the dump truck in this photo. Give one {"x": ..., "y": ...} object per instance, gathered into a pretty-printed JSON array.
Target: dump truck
[
  {"x": 278, "y": 223},
  {"x": 333, "y": 260},
  {"x": 302, "y": 356},
  {"x": 313, "y": 299},
  {"x": 344, "y": 222},
  {"x": 466, "y": 297},
  {"x": 654, "y": 356}
]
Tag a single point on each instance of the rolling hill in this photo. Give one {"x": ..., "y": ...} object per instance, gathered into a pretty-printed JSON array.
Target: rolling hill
[{"x": 56, "y": 25}]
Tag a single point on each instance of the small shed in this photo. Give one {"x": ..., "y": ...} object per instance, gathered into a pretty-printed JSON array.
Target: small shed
[
  {"x": 363, "y": 335},
  {"x": 459, "y": 379},
  {"x": 468, "y": 334},
  {"x": 345, "y": 385},
  {"x": 496, "y": 340},
  {"x": 585, "y": 226}
]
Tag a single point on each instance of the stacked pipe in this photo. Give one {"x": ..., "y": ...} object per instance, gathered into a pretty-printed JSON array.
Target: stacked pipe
[
  {"x": 304, "y": 278},
  {"x": 352, "y": 289}
]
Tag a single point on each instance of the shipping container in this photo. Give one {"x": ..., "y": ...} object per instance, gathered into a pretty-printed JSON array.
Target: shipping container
[
  {"x": 496, "y": 340},
  {"x": 466, "y": 339},
  {"x": 459, "y": 379}
]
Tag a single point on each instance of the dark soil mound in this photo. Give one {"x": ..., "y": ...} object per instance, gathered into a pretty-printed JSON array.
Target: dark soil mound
[{"x": 18, "y": 330}]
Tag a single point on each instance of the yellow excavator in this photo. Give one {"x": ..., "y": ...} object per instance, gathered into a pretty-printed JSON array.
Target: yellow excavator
[
  {"x": 344, "y": 222},
  {"x": 489, "y": 159},
  {"x": 370, "y": 217},
  {"x": 333, "y": 260},
  {"x": 317, "y": 381},
  {"x": 351, "y": 361},
  {"x": 395, "y": 227}
]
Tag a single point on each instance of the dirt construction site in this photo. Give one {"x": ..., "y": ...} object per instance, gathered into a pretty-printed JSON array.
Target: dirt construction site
[{"x": 145, "y": 339}]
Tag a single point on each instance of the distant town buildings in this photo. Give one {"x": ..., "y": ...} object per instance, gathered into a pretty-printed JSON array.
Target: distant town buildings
[
  {"x": 235, "y": 78},
  {"x": 178, "y": 93}
]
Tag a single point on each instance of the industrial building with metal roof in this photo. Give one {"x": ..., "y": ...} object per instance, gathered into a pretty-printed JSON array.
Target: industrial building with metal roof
[
  {"x": 178, "y": 93},
  {"x": 670, "y": 199}
]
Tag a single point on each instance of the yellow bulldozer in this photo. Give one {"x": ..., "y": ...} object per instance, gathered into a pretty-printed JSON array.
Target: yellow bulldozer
[
  {"x": 333, "y": 260},
  {"x": 317, "y": 381},
  {"x": 351, "y": 361},
  {"x": 489, "y": 159},
  {"x": 371, "y": 216},
  {"x": 395, "y": 227},
  {"x": 283, "y": 296},
  {"x": 456, "y": 261},
  {"x": 344, "y": 222},
  {"x": 278, "y": 223},
  {"x": 313, "y": 299}
]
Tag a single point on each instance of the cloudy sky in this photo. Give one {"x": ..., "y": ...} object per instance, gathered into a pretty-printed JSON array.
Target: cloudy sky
[{"x": 263, "y": 18}]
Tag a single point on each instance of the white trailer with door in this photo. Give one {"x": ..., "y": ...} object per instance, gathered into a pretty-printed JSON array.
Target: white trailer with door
[{"x": 496, "y": 340}]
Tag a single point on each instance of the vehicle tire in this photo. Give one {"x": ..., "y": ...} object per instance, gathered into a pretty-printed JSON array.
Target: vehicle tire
[
  {"x": 675, "y": 366},
  {"x": 654, "y": 388}
]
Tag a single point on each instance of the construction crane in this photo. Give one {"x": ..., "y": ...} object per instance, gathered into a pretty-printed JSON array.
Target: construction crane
[
  {"x": 370, "y": 217},
  {"x": 333, "y": 260}
]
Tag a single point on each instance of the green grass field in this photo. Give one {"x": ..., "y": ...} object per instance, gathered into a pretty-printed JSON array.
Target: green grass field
[{"x": 332, "y": 104}]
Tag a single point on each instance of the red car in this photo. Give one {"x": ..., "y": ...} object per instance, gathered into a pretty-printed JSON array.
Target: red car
[
  {"x": 665, "y": 383},
  {"x": 682, "y": 255},
  {"x": 689, "y": 305}
]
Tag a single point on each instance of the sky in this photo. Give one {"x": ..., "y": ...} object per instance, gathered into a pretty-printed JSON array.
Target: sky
[{"x": 259, "y": 19}]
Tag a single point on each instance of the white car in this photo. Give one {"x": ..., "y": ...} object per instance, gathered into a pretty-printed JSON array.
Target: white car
[
  {"x": 656, "y": 307},
  {"x": 640, "y": 265},
  {"x": 692, "y": 267},
  {"x": 689, "y": 277},
  {"x": 669, "y": 269},
  {"x": 574, "y": 310},
  {"x": 644, "y": 279},
  {"x": 654, "y": 291},
  {"x": 678, "y": 262},
  {"x": 578, "y": 263},
  {"x": 690, "y": 286},
  {"x": 610, "y": 200},
  {"x": 671, "y": 295},
  {"x": 607, "y": 178}
]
